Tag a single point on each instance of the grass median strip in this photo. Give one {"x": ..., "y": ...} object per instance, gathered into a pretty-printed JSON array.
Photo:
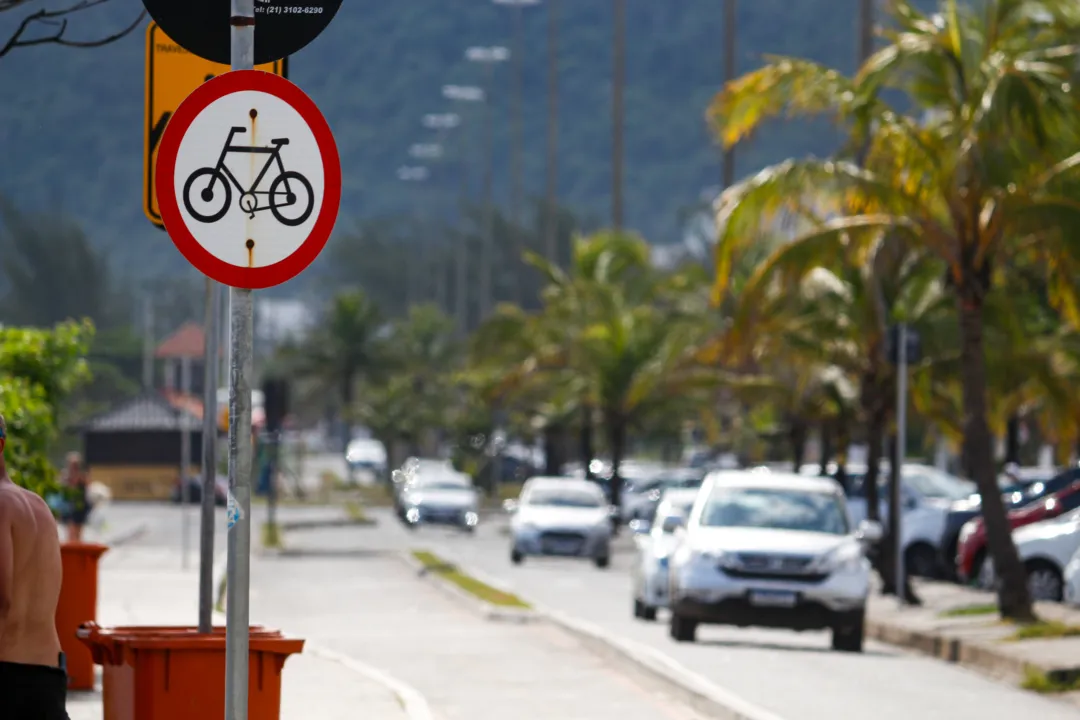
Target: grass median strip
[
  {"x": 969, "y": 610},
  {"x": 432, "y": 563},
  {"x": 1050, "y": 683},
  {"x": 1045, "y": 630}
]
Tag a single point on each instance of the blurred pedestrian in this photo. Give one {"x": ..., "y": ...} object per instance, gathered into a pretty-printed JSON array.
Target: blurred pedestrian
[
  {"x": 33, "y": 676},
  {"x": 76, "y": 508}
]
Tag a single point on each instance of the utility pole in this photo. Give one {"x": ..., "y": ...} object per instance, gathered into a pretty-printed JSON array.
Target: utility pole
[
  {"x": 488, "y": 56},
  {"x": 729, "y": 75},
  {"x": 148, "y": 344},
  {"x": 618, "y": 81},
  {"x": 551, "y": 239},
  {"x": 470, "y": 94}
]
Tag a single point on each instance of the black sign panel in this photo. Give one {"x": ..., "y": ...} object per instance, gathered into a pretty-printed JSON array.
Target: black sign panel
[{"x": 282, "y": 27}]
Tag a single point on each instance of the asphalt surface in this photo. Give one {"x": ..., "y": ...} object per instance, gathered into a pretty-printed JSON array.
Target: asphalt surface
[{"x": 794, "y": 675}]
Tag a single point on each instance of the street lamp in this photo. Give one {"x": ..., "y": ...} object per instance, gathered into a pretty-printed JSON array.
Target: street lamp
[
  {"x": 441, "y": 121},
  {"x": 413, "y": 173},
  {"x": 463, "y": 93},
  {"x": 489, "y": 57},
  {"x": 426, "y": 151}
]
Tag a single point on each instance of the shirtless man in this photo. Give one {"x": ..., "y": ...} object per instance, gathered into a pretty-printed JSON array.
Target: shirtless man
[{"x": 33, "y": 682}]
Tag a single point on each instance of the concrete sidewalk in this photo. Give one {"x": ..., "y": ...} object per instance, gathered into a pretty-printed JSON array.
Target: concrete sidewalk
[
  {"x": 148, "y": 586},
  {"x": 953, "y": 624},
  {"x": 368, "y": 605}
]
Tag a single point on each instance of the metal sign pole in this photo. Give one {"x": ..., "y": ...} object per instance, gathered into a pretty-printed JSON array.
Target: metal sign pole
[
  {"x": 240, "y": 441},
  {"x": 901, "y": 447},
  {"x": 209, "y": 456},
  {"x": 185, "y": 464}
]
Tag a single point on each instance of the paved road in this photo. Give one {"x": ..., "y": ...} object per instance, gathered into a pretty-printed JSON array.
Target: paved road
[
  {"x": 373, "y": 608},
  {"x": 794, "y": 675}
]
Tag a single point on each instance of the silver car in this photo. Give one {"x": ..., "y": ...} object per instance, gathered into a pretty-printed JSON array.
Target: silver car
[
  {"x": 649, "y": 575},
  {"x": 561, "y": 517},
  {"x": 441, "y": 499},
  {"x": 771, "y": 550}
]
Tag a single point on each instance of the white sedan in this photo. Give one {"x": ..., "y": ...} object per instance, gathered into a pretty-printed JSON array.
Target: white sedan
[
  {"x": 1046, "y": 548},
  {"x": 650, "y": 572},
  {"x": 561, "y": 517}
]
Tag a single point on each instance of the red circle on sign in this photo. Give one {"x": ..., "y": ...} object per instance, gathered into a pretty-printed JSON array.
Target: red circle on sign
[{"x": 213, "y": 267}]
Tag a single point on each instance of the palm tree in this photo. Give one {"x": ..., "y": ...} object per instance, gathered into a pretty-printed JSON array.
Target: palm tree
[
  {"x": 977, "y": 179},
  {"x": 343, "y": 347}
]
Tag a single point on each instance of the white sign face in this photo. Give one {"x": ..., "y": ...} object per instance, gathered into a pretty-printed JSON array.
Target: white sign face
[{"x": 249, "y": 179}]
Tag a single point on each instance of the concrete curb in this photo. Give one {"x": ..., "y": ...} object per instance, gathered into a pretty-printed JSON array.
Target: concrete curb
[
  {"x": 985, "y": 657},
  {"x": 688, "y": 687},
  {"x": 473, "y": 603},
  {"x": 412, "y": 701},
  {"x": 318, "y": 524}
]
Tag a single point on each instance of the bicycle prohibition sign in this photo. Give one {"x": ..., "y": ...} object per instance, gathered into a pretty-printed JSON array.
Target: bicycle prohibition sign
[{"x": 214, "y": 186}]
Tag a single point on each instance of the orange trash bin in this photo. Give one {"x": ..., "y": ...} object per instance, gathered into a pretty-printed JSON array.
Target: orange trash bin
[
  {"x": 176, "y": 673},
  {"x": 78, "y": 605}
]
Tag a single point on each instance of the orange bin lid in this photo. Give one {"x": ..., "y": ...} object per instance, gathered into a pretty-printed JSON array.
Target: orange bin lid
[{"x": 108, "y": 645}]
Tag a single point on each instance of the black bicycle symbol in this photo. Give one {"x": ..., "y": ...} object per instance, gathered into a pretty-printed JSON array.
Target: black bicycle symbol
[{"x": 281, "y": 188}]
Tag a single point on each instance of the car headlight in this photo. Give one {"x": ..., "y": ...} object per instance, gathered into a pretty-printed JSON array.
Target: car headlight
[
  {"x": 846, "y": 558},
  {"x": 709, "y": 557}
]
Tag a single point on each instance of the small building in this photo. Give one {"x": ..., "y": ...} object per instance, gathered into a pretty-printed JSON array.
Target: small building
[{"x": 135, "y": 448}]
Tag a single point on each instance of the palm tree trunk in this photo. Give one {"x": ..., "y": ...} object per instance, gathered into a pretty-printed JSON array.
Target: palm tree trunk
[
  {"x": 826, "y": 448},
  {"x": 616, "y": 425},
  {"x": 797, "y": 435},
  {"x": 1014, "y": 601},
  {"x": 588, "y": 452},
  {"x": 1012, "y": 439},
  {"x": 876, "y": 417},
  {"x": 553, "y": 449},
  {"x": 346, "y": 419}
]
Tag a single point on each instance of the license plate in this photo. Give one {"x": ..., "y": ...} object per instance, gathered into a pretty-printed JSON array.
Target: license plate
[
  {"x": 773, "y": 598},
  {"x": 564, "y": 547}
]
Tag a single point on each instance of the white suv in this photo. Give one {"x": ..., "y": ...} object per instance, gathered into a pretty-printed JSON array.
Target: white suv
[{"x": 772, "y": 550}]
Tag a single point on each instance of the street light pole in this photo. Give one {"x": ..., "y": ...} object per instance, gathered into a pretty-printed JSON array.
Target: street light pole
[
  {"x": 412, "y": 174},
  {"x": 551, "y": 190},
  {"x": 463, "y": 93},
  {"x": 618, "y": 80},
  {"x": 488, "y": 56}
]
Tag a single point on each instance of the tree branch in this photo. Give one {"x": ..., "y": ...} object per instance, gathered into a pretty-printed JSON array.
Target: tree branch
[{"x": 56, "y": 21}]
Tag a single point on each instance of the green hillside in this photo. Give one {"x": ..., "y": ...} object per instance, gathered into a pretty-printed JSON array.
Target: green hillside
[{"x": 70, "y": 121}]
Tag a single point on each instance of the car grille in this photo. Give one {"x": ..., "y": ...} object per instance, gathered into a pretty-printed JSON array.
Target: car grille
[
  {"x": 562, "y": 542},
  {"x": 774, "y": 567},
  {"x": 431, "y": 513}
]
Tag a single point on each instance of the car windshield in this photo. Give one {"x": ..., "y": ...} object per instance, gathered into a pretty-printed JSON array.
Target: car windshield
[
  {"x": 933, "y": 483},
  {"x": 676, "y": 507},
  {"x": 775, "y": 509},
  {"x": 550, "y": 497}
]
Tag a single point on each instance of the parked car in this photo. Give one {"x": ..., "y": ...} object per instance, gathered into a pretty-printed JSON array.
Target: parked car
[
  {"x": 1072, "y": 580},
  {"x": 927, "y": 495},
  {"x": 1046, "y": 548},
  {"x": 649, "y": 575},
  {"x": 774, "y": 550},
  {"x": 445, "y": 498},
  {"x": 971, "y": 548},
  {"x": 563, "y": 517},
  {"x": 221, "y": 490},
  {"x": 1015, "y": 493}
]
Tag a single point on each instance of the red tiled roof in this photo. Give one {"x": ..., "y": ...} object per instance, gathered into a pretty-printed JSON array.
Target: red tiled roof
[
  {"x": 188, "y": 341},
  {"x": 188, "y": 403}
]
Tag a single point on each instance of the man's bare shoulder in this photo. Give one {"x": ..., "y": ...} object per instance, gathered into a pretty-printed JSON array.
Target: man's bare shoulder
[{"x": 15, "y": 501}]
